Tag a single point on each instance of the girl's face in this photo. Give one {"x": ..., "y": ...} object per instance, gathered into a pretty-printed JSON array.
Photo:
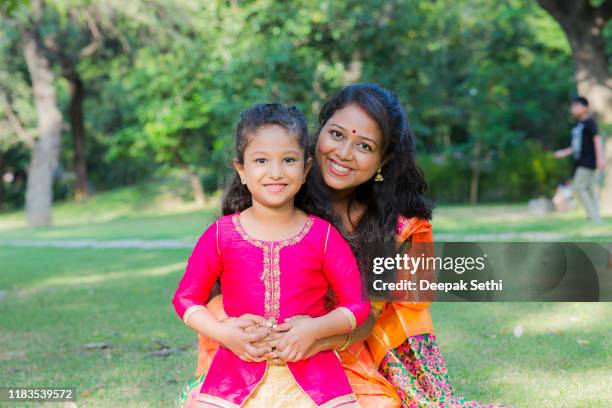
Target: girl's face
[
  {"x": 273, "y": 167},
  {"x": 349, "y": 149}
]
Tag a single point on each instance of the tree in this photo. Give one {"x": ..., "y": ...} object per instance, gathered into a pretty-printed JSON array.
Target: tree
[
  {"x": 82, "y": 39},
  {"x": 583, "y": 23},
  {"x": 46, "y": 149}
]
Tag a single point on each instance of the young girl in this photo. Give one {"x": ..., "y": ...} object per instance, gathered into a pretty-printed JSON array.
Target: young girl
[{"x": 276, "y": 261}]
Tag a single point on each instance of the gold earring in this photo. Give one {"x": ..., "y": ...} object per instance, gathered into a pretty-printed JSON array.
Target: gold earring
[{"x": 379, "y": 177}]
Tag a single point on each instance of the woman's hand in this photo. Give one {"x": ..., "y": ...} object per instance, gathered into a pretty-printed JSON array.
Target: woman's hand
[
  {"x": 239, "y": 334},
  {"x": 295, "y": 339}
]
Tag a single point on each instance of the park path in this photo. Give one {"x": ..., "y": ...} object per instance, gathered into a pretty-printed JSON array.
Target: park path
[
  {"x": 149, "y": 244},
  {"x": 97, "y": 244}
]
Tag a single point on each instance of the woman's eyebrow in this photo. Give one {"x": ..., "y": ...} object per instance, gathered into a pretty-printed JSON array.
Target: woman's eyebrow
[
  {"x": 361, "y": 136},
  {"x": 337, "y": 125}
]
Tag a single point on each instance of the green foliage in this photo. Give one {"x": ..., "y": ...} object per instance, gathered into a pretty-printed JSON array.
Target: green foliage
[
  {"x": 525, "y": 170},
  {"x": 481, "y": 81}
]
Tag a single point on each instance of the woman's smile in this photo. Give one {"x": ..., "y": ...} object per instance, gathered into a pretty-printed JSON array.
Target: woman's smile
[{"x": 338, "y": 169}]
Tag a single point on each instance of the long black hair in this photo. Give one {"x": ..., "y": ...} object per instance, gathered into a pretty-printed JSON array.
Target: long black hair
[
  {"x": 312, "y": 197},
  {"x": 403, "y": 188}
]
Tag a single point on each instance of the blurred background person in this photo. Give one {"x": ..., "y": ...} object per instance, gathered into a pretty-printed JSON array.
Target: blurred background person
[{"x": 587, "y": 151}]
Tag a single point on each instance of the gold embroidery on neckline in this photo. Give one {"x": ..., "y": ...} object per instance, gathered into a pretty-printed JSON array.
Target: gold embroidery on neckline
[{"x": 271, "y": 259}]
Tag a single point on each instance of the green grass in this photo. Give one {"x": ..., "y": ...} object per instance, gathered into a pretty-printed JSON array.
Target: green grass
[
  {"x": 149, "y": 211},
  {"x": 55, "y": 300},
  {"x": 158, "y": 211},
  {"x": 562, "y": 359},
  {"x": 514, "y": 218}
]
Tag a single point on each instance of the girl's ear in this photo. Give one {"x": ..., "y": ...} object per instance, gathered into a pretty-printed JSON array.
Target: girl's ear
[
  {"x": 239, "y": 167},
  {"x": 307, "y": 168}
]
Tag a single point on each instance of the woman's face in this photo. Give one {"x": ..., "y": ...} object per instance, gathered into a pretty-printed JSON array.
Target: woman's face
[{"x": 349, "y": 149}]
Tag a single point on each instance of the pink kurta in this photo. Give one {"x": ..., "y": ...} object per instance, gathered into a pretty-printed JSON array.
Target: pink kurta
[{"x": 275, "y": 279}]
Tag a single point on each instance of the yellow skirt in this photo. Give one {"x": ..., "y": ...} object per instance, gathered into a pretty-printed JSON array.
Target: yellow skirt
[{"x": 277, "y": 389}]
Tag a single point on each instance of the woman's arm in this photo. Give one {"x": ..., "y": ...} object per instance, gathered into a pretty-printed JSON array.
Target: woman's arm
[{"x": 361, "y": 333}]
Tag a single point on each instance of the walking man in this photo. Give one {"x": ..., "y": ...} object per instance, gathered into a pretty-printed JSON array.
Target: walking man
[{"x": 587, "y": 150}]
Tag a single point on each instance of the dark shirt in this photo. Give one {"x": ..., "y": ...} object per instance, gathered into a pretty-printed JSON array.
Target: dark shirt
[{"x": 583, "y": 143}]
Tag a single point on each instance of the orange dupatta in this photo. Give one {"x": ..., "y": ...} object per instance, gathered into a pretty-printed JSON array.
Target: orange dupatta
[{"x": 398, "y": 320}]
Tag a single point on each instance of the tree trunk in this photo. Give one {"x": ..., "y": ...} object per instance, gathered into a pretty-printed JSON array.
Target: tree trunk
[
  {"x": 196, "y": 186},
  {"x": 606, "y": 191},
  {"x": 77, "y": 125},
  {"x": 45, "y": 151},
  {"x": 2, "y": 166},
  {"x": 592, "y": 75},
  {"x": 583, "y": 25},
  {"x": 475, "y": 174}
]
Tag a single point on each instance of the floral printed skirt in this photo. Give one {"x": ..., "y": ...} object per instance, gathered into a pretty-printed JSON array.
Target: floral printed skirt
[
  {"x": 189, "y": 393},
  {"x": 418, "y": 373}
]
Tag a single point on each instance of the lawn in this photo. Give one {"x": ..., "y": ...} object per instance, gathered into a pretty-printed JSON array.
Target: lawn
[{"x": 91, "y": 318}]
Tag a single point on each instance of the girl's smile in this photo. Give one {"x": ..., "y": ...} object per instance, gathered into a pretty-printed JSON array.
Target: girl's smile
[{"x": 275, "y": 187}]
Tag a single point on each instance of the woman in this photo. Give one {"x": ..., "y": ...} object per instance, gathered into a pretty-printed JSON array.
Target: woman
[{"x": 365, "y": 154}]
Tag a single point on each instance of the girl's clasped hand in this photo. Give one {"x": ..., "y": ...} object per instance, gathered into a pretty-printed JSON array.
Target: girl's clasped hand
[
  {"x": 245, "y": 337},
  {"x": 258, "y": 339}
]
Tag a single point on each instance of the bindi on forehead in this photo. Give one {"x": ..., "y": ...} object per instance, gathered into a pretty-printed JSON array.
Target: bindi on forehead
[{"x": 354, "y": 131}]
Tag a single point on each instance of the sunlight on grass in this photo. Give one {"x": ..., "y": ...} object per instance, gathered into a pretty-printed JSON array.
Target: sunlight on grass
[
  {"x": 572, "y": 387},
  {"x": 155, "y": 199},
  {"x": 515, "y": 221},
  {"x": 557, "y": 361},
  {"x": 162, "y": 210},
  {"x": 563, "y": 317},
  {"x": 104, "y": 277}
]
